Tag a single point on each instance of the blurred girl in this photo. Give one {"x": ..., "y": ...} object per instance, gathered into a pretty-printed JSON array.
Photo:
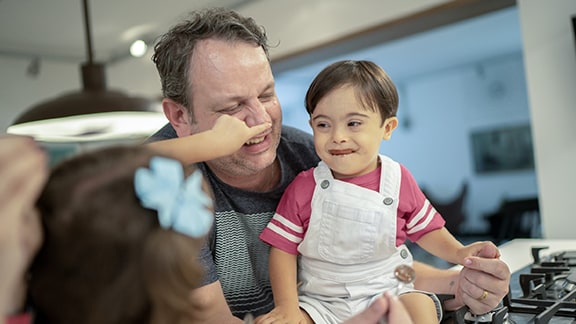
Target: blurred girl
[{"x": 122, "y": 229}]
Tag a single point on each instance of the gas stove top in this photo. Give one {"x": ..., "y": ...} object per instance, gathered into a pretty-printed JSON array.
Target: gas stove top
[{"x": 540, "y": 293}]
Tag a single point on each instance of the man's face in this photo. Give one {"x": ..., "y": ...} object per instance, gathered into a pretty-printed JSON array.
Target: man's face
[{"x": 235, "y": 79}]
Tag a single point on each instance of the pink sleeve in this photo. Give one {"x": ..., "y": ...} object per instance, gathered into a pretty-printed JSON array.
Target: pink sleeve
[
  {"x": 416, "y": 216},
  {"x": 286, "y": 229},
  {"x": 24, "y": 318}
]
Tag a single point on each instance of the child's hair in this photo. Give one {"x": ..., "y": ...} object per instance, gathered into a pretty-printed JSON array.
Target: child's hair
[
  {"x": 374, "y": 88},
  {"x": 105, "y": 258}
]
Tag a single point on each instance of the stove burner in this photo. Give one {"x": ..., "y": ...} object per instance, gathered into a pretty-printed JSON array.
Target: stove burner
[
  {"x": 498, "y": 315},
  {"x": 548, "y": 291},
  {"x": 546, "y": 294}
]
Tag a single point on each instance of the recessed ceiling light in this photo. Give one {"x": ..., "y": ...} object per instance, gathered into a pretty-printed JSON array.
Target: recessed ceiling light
[{"x": 138, "y": 48}]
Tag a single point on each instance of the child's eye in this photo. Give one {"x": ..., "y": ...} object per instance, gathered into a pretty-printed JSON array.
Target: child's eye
[
  {"x": 322, "y": 125},
  {"x": 354, "y": 123}
]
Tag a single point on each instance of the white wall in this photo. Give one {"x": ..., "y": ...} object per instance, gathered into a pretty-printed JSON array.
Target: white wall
[
  {"x": 19, "y": 91},
  {"x": 550, "y": 60}
]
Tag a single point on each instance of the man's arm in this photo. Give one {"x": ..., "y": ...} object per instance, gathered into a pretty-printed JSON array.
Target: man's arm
[{"x": 210, "y": 305}]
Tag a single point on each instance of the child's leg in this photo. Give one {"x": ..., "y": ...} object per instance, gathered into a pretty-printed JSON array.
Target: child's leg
[{"x": 421, "y": 307}]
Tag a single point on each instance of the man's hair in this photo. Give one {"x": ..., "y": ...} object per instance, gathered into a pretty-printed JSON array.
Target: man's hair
[
  {"x": 173, "y": 51},
  {"x": 373, "y": 87},
  {"x": 105, "y": 258}
]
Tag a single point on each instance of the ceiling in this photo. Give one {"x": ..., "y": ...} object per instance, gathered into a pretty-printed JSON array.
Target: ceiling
[
  {"x": 491, "y": 36},
  {"x": 54, "y": 29}
]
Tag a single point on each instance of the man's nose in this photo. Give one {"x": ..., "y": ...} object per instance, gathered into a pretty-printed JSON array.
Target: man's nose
[{"x": 257, "y": 114}]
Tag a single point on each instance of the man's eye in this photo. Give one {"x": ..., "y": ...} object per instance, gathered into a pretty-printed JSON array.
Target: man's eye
[
  {"x": 231, "y": 110},
  {"x": 266, "y": 97}
]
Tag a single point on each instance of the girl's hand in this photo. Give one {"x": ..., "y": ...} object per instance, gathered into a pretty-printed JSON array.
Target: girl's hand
[{"x": 235, "y": 133}]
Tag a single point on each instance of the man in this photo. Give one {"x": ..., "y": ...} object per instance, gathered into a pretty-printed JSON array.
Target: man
[{"x": 216, "y": 63}]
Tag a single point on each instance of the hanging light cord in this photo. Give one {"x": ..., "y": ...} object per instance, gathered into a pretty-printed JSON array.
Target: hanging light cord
[{"x": 87, "y": 31}]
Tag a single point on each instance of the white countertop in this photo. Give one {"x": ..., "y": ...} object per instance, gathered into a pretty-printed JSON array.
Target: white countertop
[{"x": 517, "y": 253}]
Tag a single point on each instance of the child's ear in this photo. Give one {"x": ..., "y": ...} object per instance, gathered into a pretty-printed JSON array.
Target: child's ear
[{"x": 390, "y": 125}]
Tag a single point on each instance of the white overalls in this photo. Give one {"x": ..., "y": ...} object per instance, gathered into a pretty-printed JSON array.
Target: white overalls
[{"x": 349, "y": 252}]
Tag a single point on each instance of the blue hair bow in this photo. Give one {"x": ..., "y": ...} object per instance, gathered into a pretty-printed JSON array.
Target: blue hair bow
[{"x": 181, "y": 203}]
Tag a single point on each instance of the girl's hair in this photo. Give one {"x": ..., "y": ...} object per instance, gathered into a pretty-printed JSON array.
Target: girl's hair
[
  {"x": 374, "y": 88},
  {"x": 105, "y": 258},
  {"x": 174, "y": 50}
]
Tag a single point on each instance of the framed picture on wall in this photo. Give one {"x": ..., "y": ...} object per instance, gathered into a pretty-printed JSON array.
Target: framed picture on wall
[{"x": 503, "y": 149}]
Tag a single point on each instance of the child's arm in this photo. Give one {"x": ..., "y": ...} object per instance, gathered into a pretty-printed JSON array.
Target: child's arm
[
  {"x": 444, "y": 245},
  {"x": 226, "y": 137},
  {"x": 283, "y": 278}
]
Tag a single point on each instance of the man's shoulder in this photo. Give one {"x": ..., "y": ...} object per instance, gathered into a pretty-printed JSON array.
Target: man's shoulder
[
  {"x": 296, "y": 141},
  {"x": 296, "y": 151},
  {"x": 292, "y": 135}
]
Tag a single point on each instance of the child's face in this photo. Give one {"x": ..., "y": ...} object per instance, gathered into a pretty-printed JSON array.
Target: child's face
[{"x": 346, "y": 135}]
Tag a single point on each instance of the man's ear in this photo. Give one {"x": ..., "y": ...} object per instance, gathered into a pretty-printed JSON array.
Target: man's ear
[
  {"x": 390, "y": 125},
  {"x": 177, "y": 115}
]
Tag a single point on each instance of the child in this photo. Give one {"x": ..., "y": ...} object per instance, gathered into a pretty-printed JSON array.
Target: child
[
  {"x": 227, "y": 135},
  {"x": 339, "y": 229},
  {"x": 122, "y": 230}
]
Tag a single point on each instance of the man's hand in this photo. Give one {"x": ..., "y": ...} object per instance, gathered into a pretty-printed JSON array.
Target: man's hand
[
  {"x": 482, "y": 283},
  {"x": 282, "y": 314}
]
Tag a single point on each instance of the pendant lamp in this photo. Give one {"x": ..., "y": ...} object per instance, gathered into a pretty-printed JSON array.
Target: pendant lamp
[{"x": 93, "y": 113}]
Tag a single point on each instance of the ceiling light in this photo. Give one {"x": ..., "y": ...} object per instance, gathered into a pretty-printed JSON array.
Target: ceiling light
[
  {"x": 94, "y": 113},
  {"x": 138, "y": 48}
]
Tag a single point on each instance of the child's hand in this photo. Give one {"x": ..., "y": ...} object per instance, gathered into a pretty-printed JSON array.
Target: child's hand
[
  {"x": 280, "y": 314},
  {"x": 236, "y": 133},
  {"x": 484, "y": 249}
]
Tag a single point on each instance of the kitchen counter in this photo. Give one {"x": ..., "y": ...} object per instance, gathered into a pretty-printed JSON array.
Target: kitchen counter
[{"x": 517, "y": 253}]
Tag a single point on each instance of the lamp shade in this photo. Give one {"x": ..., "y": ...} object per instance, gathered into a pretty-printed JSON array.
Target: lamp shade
[
  {"x": 93, "y": 98},
  {"x": 93, "y": 113}
]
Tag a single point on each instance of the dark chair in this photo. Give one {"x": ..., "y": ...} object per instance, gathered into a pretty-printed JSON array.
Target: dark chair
[
  {"x": 452, "y": 210},
  {"x": 518, "y": 218}
]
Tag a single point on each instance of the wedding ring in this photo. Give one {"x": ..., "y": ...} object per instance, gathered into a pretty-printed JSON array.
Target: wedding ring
[{"x": 484, "y": 295}]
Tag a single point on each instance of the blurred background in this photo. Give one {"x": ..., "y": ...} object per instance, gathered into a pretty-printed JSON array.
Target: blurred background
[{"x": 486, "y": 87}]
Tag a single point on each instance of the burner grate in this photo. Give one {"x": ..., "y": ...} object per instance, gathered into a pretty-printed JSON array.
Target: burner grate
[
  {"x": 544, "y": 309},
  {"x": 548, "y": 290}
]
